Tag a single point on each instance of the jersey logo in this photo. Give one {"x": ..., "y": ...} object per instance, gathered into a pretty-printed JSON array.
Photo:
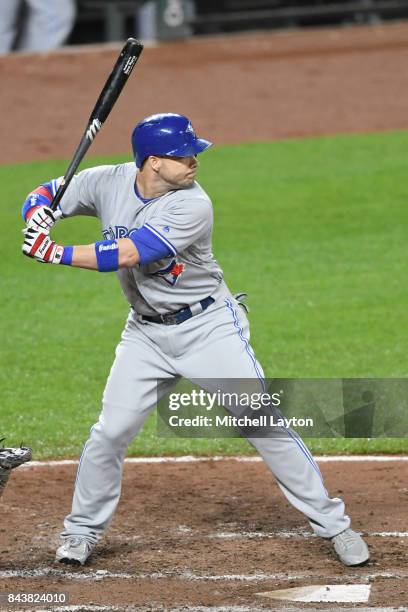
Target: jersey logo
[
  {"x": 172, "y": 272},
  {"x": 119, "y": 231}
]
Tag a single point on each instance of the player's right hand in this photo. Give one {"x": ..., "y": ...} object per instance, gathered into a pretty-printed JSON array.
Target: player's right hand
[
  {"x": 43, "y": 218},
  {"x": 40, "y": 246}
]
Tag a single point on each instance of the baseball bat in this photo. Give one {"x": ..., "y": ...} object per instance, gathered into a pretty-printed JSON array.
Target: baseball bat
[{"x": 110, "y": 93}]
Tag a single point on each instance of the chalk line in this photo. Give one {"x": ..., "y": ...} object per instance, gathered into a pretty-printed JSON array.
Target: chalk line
[
  {"x": 294, "y": 534},
  {"x": 243, "y": 459},
  {"x": 188, "y": 575},
  {"x": 184, "y": 532}
]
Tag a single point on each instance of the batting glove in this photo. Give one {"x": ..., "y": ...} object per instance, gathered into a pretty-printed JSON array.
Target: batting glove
[
  {"x": 39, "y": 246},
  {"x": 43, "y": 218}
]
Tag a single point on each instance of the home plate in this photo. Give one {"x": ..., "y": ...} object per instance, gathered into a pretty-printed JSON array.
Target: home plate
[{"x": 336, "y": 593}]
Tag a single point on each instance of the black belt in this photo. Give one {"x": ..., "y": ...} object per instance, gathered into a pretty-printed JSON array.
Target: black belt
[{"x": 175, "y": 318}]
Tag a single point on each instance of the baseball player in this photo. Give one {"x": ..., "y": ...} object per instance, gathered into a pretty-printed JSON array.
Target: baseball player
[
  {"x": 183, "y": 322},
  {"x": 35, "y": 25}
]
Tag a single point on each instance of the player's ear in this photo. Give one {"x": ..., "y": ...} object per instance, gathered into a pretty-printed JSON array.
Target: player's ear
[{"x": 154, "y": 162}]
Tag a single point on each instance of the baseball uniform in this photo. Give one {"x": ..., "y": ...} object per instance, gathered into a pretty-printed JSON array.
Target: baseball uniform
[
  {"x": 183, "y": 323},
  {"x": 151, "y": 357}
]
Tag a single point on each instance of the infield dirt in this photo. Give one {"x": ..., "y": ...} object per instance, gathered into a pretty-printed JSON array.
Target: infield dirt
[
  {"x": 241, "y": 88},
  {"x": 213, "y": 533}
]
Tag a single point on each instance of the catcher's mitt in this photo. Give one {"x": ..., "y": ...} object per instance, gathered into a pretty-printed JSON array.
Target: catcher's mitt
[{"x": 11, "y": 458}]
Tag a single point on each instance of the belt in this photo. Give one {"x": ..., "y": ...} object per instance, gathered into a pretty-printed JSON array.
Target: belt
[{"x": 175, "y": 318}]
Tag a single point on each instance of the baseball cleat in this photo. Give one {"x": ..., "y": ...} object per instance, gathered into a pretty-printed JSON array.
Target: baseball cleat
[
  {"x": 351, "y": 548},
  {"x": 74, "y": 551}
]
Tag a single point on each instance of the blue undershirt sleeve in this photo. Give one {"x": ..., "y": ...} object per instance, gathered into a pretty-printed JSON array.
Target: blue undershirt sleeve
[{"x": 151, "y": 245}]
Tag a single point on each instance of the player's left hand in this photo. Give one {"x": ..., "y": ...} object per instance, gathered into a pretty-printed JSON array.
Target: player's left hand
[
  {"x": 40, "y": 246},
  {"x": 43, "y": 218}
]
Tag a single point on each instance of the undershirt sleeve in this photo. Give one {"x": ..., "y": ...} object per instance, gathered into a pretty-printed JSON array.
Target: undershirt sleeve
[{"x": 151, "y": 245}]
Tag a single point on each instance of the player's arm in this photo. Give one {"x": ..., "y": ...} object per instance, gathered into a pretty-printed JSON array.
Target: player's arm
[
  {"x": 106, "y": 256},
  {"x": 142, "y": 247},
  {"x": 36, "y": 210},
  {"x": 79, "y": 199}
]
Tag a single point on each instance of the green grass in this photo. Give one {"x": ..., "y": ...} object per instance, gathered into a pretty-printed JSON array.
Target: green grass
[{"x": 314, "y": 230}]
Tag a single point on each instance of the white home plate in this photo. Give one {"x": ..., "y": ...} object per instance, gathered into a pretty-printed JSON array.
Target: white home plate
[{"x": 336, "y": 593}]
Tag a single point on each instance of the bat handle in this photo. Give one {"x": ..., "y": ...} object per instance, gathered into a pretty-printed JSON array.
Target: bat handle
[{"x": 58, "y": 195}]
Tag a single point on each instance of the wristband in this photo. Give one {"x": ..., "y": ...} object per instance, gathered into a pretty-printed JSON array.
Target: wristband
[
  {"x": 107, "y": 255},
  {"x": 66, "y": 259}
]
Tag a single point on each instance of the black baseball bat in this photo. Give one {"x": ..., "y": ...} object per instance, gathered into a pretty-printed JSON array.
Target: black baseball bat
[{"x": 109, "y": 94}]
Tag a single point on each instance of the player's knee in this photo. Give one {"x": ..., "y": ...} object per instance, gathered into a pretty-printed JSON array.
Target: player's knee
[{"x": 116, "y": 434}]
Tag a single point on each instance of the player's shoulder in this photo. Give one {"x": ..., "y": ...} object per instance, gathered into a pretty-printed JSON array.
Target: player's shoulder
[
  {"x": 194, "y": 195},
  {"x": 197, "y": 192},
  {"x": 110, "y": 171}
]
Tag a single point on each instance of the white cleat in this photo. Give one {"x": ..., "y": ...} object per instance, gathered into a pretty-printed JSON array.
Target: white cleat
[
  {"x": 74, "y": 551},
  {"x": 351, "y": 548}
]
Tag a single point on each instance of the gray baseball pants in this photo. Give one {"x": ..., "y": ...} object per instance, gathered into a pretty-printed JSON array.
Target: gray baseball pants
[
  {"x": 46, "y": 25},
  {"x": 150, "y": 358}
]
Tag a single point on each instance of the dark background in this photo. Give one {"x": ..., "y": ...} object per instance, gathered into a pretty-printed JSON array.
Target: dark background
[{"x": 206, "y": 17}]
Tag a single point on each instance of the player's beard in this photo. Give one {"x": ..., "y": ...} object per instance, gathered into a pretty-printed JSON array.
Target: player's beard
[
  {"x": 179, "y": 177},
  {"x": 182, "y": 182},
  {"x": 189, "y": 182}
]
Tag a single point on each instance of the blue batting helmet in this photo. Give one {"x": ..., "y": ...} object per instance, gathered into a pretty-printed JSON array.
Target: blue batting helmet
[{"x": 166, "y": 134}]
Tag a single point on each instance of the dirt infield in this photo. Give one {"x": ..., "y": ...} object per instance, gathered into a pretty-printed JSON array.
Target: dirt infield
[
  {"x": 213, "y": 533},
  {"x": 253, "y": 87},
  {"x": 209, "y": 535}
]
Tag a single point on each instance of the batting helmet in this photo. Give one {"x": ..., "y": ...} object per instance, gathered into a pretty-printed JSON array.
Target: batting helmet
[{"x": 166, "y": 134}]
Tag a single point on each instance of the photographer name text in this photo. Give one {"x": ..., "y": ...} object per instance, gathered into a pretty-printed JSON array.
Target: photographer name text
[{"x": 242, "y": 421}]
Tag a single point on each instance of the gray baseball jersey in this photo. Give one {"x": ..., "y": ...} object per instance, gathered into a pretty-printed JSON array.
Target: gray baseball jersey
[{"x": 182, "y": 218}]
